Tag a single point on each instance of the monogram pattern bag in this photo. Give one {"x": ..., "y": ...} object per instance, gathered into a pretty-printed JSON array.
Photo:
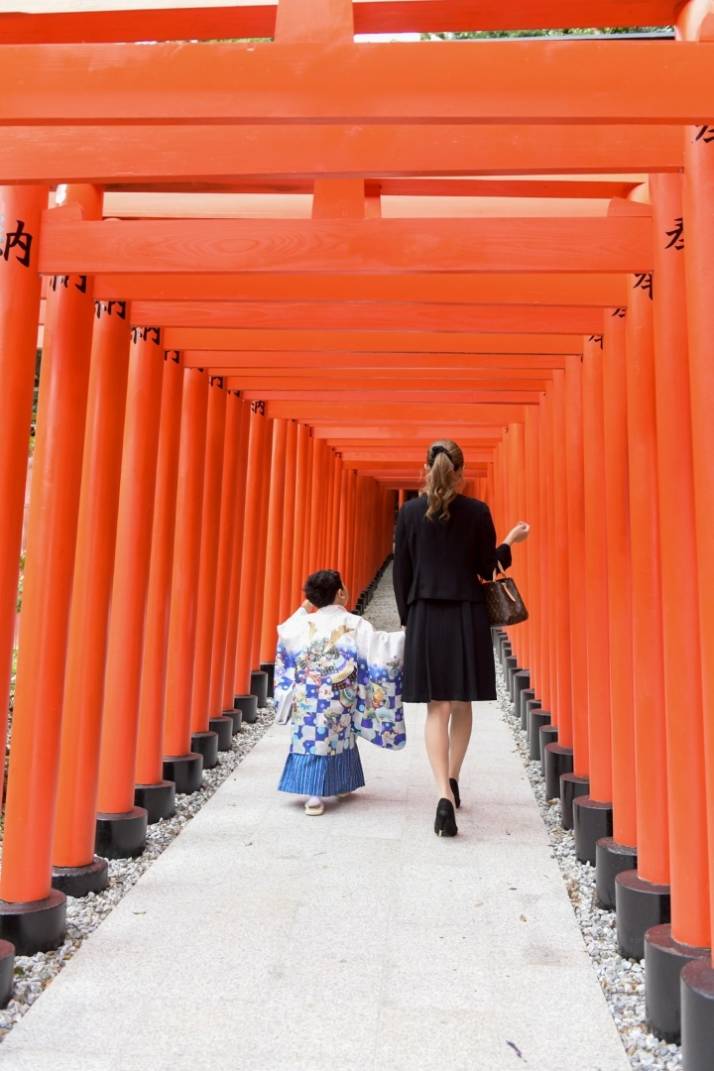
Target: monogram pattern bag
[{"x": 504, "y": 604}]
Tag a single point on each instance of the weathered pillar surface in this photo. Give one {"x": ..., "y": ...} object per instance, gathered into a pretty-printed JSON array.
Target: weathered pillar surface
[
  {"x": 302, "y": 467},
  {"x": 547, "y": 693},
  {"x": 158, "y": 599},
  {"x": 561, "y": 607},
  {"x": 652, "y": 820},
  {"x": 91, "y": 593},
  {"x": 115, "y": 800},
  {"x": 187, "y": 553},
  {"x": 254, "y": 504},
  {"x": 578, "y": 592},
  {"x": 699, "y": 209},
  {"x": 232, "y": 459},
  {"x": 531, "y": 512},
  {"x": 619, "y": 570},
  {"x": 21, "y": 210},
  {"x": 229, "y": 664},
  {"x": 596, "y": 606},
  {"x": 34, "y": 761},
  {"x": 289, "y": 533},
  {"x": 274, "y": 542},
  {"x": 262, "y": 540},
  {"x": 211, "y": 523},
  {"x": 681, "y": 636}
]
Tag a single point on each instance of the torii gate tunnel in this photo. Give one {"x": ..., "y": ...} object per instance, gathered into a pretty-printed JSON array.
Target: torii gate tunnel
[{"x": 265, "y": 275}]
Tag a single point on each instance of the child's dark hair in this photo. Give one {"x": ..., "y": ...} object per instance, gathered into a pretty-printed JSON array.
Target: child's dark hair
[{"x": 322, "y": 587}]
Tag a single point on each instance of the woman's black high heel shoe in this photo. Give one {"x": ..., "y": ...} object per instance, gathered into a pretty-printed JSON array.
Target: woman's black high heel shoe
[
  {"x": 445, "y": 821},
  {"x": 454, "y": 786}
]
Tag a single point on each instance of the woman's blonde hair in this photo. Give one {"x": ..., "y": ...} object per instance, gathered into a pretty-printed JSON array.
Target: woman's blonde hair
[{"x": 444, "y": 463}]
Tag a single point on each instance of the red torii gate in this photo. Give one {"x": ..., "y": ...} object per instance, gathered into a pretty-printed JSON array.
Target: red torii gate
[{"x": 222, "y": 400}]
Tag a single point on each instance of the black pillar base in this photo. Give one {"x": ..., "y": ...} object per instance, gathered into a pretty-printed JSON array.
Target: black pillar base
[
  {"x": 558, "y": 761},
  {"x": 159, "y": 800},
  {"x": 248, "y": 706},
  {"x": 269, "y": 668},
  {"x": 499, "y": 638},
  {"x": 222, "y": 726},
  {"x": 79, "y": 880},
  {"x": 34, "y": 926},
  {"x": 521, "y": 680},
  {"x": 7, "y": 966},
  {"x": 535, "y": 720},
  {"x": 611, "y": 859},
  {"x": 121, "y": 836},
  {"x": 237, "y": 718},
  {"x": 548, "y": 734},
  {"x": 206, "y": 744},
  {"x": 697, "y": 993},
  {"x": 532, "y": 704},
  {"x": 506, "y": 652},
  {"x": 527, "y": 696},
  {"x": 571, "y": 788},
  {"x": 186, "y": 771},
  {"x": 592, "y": 821},
  {"x": 259, "y": 687},
  {"x": 664, "y": 960},
  {"x": 639, "y": 905}
]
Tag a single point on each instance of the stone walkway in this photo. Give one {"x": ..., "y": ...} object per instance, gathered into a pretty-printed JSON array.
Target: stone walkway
[{"x": 263, "y": 940}]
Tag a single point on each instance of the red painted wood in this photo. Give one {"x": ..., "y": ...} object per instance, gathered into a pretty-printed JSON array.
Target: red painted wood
[
  {"x": 354, "y": 316},
  {"x": 372, "y": 245},
  {"x": 286, "y": 158},
  {"x": 258, "y": 20},
  {"x": 558, "y": 288},
  {"x": 494, "y": 81}
]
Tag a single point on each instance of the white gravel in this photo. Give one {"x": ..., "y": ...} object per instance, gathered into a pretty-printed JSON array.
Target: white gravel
[
  {"x": 34, "y": 973},
  {"x": 622, "y": 980}
]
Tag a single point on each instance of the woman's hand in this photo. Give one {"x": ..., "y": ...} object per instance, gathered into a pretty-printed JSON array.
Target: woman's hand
[{"x": 518, "y": 533}]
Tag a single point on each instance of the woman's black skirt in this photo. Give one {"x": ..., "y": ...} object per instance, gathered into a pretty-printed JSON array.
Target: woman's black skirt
[{"x": 448, "y": 653}]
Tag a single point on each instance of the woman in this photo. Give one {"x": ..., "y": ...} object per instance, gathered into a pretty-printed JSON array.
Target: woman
[{"x": 445, "y": 542}]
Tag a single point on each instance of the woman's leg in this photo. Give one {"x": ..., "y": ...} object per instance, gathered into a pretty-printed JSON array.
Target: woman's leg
[
  {"x": 437, "y": 745},
  {"x": 461, "y": 723}
]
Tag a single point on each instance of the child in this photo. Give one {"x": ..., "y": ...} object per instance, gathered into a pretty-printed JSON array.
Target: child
[{"x": 335, "y": 677}]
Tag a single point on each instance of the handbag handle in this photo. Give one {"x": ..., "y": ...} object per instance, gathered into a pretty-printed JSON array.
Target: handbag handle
[{"x": 499, "y": 569}]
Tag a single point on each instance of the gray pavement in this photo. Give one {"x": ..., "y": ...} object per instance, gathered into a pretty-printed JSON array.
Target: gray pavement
[{"x": 264, "y": 940}]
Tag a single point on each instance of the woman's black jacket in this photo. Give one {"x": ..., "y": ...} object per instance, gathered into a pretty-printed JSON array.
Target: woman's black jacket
[{"x": 436, "y": 559}]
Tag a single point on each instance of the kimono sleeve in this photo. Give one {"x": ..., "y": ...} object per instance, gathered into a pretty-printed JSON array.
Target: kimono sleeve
[
  {"x": 379, "y": 714},
  {"x": 288, "y": 644}
]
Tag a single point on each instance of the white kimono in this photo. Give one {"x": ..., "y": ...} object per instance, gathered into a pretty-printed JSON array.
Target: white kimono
[{"x": 339, "y": 677}]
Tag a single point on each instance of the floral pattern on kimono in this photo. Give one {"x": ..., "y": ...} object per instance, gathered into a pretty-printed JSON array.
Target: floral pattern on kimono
[{"x": 345, "y": 678}]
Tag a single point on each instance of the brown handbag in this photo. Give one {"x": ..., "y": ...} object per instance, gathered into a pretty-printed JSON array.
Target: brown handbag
[{"x": 504, "y": 604}]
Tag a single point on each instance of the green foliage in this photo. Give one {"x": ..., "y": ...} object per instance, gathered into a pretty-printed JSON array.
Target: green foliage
[
  {"x": 614, "y": 31},
  {"x": 21, "y": 583}
]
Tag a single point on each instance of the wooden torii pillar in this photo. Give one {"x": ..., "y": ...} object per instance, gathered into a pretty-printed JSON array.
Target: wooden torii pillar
[
  {"x": 21, "y": 212},
  {"x": 696, "y": 22},
  {"x": 32, "y": 913}
]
